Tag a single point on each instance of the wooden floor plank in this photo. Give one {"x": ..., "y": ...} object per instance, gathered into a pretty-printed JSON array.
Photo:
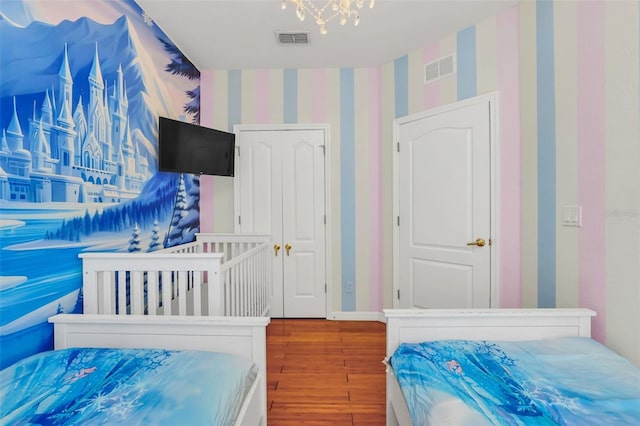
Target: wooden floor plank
[
  {"x": 310, "y": 396},
  {"x": 312, "y": 380},
  {"x": 367, "y": 419},
  {"x": 297, "y": 419}
]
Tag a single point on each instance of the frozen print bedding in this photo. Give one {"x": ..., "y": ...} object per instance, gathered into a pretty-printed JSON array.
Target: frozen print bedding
[
  {"x": 125, "y": 386},
  {"x": 563, "y": 381}
]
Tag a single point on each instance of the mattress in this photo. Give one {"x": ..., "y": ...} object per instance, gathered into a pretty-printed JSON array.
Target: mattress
[
  {"x": 125, "y": 386},
  {"x": 562, "y": 381}
]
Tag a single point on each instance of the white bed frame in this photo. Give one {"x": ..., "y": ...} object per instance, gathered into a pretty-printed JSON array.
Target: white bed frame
[
  {"x": 242, "y": 336},
  {"x": 215, "y": 275},
  {"x": 414, "y": 326}
]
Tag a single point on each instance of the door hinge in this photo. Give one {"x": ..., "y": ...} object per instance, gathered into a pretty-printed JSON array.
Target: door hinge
[
  {"x": 238, "y": 149},
  {"x": 325, "y": 287},
  {"x": 323, "y": 150},
  {"x": 398, "y": 294},
  {"x": 398, "y": 146},
  {"x": 325, "y": 219},
  {"x": 239, "y": 220},
  {"x": 398, "y": 220}
]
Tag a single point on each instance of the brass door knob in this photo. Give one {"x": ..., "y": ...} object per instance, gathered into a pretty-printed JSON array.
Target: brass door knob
[
  {"x": 287, "y": 247},
  {"x": 276, "y": 247},
  {"x": 478, "y": 242}
]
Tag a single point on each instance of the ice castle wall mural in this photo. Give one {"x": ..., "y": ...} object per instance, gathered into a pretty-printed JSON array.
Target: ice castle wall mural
[{"x": 81, "y": 90}]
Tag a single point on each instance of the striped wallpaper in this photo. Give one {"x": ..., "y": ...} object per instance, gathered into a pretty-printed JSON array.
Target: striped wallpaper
[{"x": 568, "y": 79}]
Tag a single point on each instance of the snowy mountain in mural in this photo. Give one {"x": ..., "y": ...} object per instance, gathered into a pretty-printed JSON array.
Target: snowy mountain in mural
[{"x": 71, "y": 132}]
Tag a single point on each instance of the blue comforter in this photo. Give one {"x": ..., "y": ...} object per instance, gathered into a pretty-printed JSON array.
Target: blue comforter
[
  {"x": 564, "y": 381},
  {"x": 124, "y": 386}
]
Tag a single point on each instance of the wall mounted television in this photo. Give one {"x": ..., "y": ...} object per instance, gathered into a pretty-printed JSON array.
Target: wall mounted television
[{"x": 189, "y": 148}]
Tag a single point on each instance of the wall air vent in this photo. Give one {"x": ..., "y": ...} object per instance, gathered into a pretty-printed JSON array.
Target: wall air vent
[
  {"x": 292, "y": 38},
  {"x": 440, "y": 68}
]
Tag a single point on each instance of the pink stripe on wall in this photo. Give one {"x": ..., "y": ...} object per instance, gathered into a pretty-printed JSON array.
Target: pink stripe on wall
[
  {"x": 591, "y": 162},
  {"x": 431, "y": 91},
  {"x": 508, "y": 24},
  {"x": 262, "y": 96},
  {"x": 376, "y": 292},
  {"x": 319, "y": 95},
  {"x": 206, "y": 182}
]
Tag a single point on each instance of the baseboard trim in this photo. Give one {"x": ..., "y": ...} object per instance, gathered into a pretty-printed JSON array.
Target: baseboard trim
[{"x": 357, "y": 316}]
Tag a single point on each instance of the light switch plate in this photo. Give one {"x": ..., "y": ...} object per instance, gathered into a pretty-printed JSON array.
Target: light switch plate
[{"x": 572, "y": 215}]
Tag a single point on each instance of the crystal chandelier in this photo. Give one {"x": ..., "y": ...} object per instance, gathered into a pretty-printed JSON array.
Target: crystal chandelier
[{"x": 328, "y": 10}]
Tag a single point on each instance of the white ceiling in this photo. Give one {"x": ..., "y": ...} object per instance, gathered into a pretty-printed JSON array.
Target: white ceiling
[{"x": 240, "y": 34}]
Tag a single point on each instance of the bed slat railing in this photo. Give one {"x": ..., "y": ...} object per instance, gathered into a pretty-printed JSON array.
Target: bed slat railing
[
  {"x": 150, "y": 283},
  {"x": 246, "y": 282},
  {"x": 193, "y": 279},
  {"x": 245, "y": 273}
]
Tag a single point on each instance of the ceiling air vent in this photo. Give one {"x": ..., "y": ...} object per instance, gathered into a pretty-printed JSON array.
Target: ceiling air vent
[
  {"x": 291, "y": 38},
  {"x": 440, "y": 68}
]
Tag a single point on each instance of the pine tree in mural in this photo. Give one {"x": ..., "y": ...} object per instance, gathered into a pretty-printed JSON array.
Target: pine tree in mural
[
  {"x": 154, "y": 244},
  {"x": 191, "y": 221},
  {"x": 185, "y": 222},
  {"x": 182, "y": 66},
  {"x": 134, "y": 242},
  {"x": 176, "y": 229}
]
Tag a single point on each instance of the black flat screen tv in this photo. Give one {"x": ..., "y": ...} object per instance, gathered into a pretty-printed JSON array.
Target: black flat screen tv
[{"x": 189, "y": 148}]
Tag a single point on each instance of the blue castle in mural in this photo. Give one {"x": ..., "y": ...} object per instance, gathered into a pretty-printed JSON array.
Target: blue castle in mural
[
  {"x": 80, "y": 101},
  {"x": 73, "y": 156}
]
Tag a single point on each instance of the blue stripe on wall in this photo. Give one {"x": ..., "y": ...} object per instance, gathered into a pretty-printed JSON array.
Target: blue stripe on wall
[
  {"x": 546, "y": 155},
  {"x": 348, "y": 188},
  {"x": 234, "y": 98},
  {"x": 401, "y": 83},
  {"x": 466, "y": 58},
  {"x": 290, "y": 96}
]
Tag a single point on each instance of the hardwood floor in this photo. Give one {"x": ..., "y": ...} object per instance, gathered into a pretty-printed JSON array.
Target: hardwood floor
[{"x": 323, "y": 372}]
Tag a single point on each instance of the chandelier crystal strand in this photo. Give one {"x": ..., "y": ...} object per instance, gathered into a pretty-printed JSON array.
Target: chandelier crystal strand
[{"x": 342, "y": 9}]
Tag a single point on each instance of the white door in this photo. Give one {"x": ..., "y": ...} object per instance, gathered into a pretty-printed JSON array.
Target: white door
[
  {"x": 444, "y": 200},
  {"x": 282, "y": 193}
]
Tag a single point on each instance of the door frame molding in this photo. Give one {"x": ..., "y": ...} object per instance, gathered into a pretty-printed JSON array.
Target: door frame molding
[
  {"x": 492, "y": 99},
  {"x": 239, "y": 128}
]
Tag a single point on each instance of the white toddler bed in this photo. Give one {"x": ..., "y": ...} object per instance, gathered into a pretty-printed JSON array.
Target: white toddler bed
[
  {"x": 216, "y": 275},
  {"x": 415, "y": 326},
  {"x": 241, "y": 336}
]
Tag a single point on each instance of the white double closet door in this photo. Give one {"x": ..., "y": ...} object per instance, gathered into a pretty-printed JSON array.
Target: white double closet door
[{"x": 280, "y": 191}]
